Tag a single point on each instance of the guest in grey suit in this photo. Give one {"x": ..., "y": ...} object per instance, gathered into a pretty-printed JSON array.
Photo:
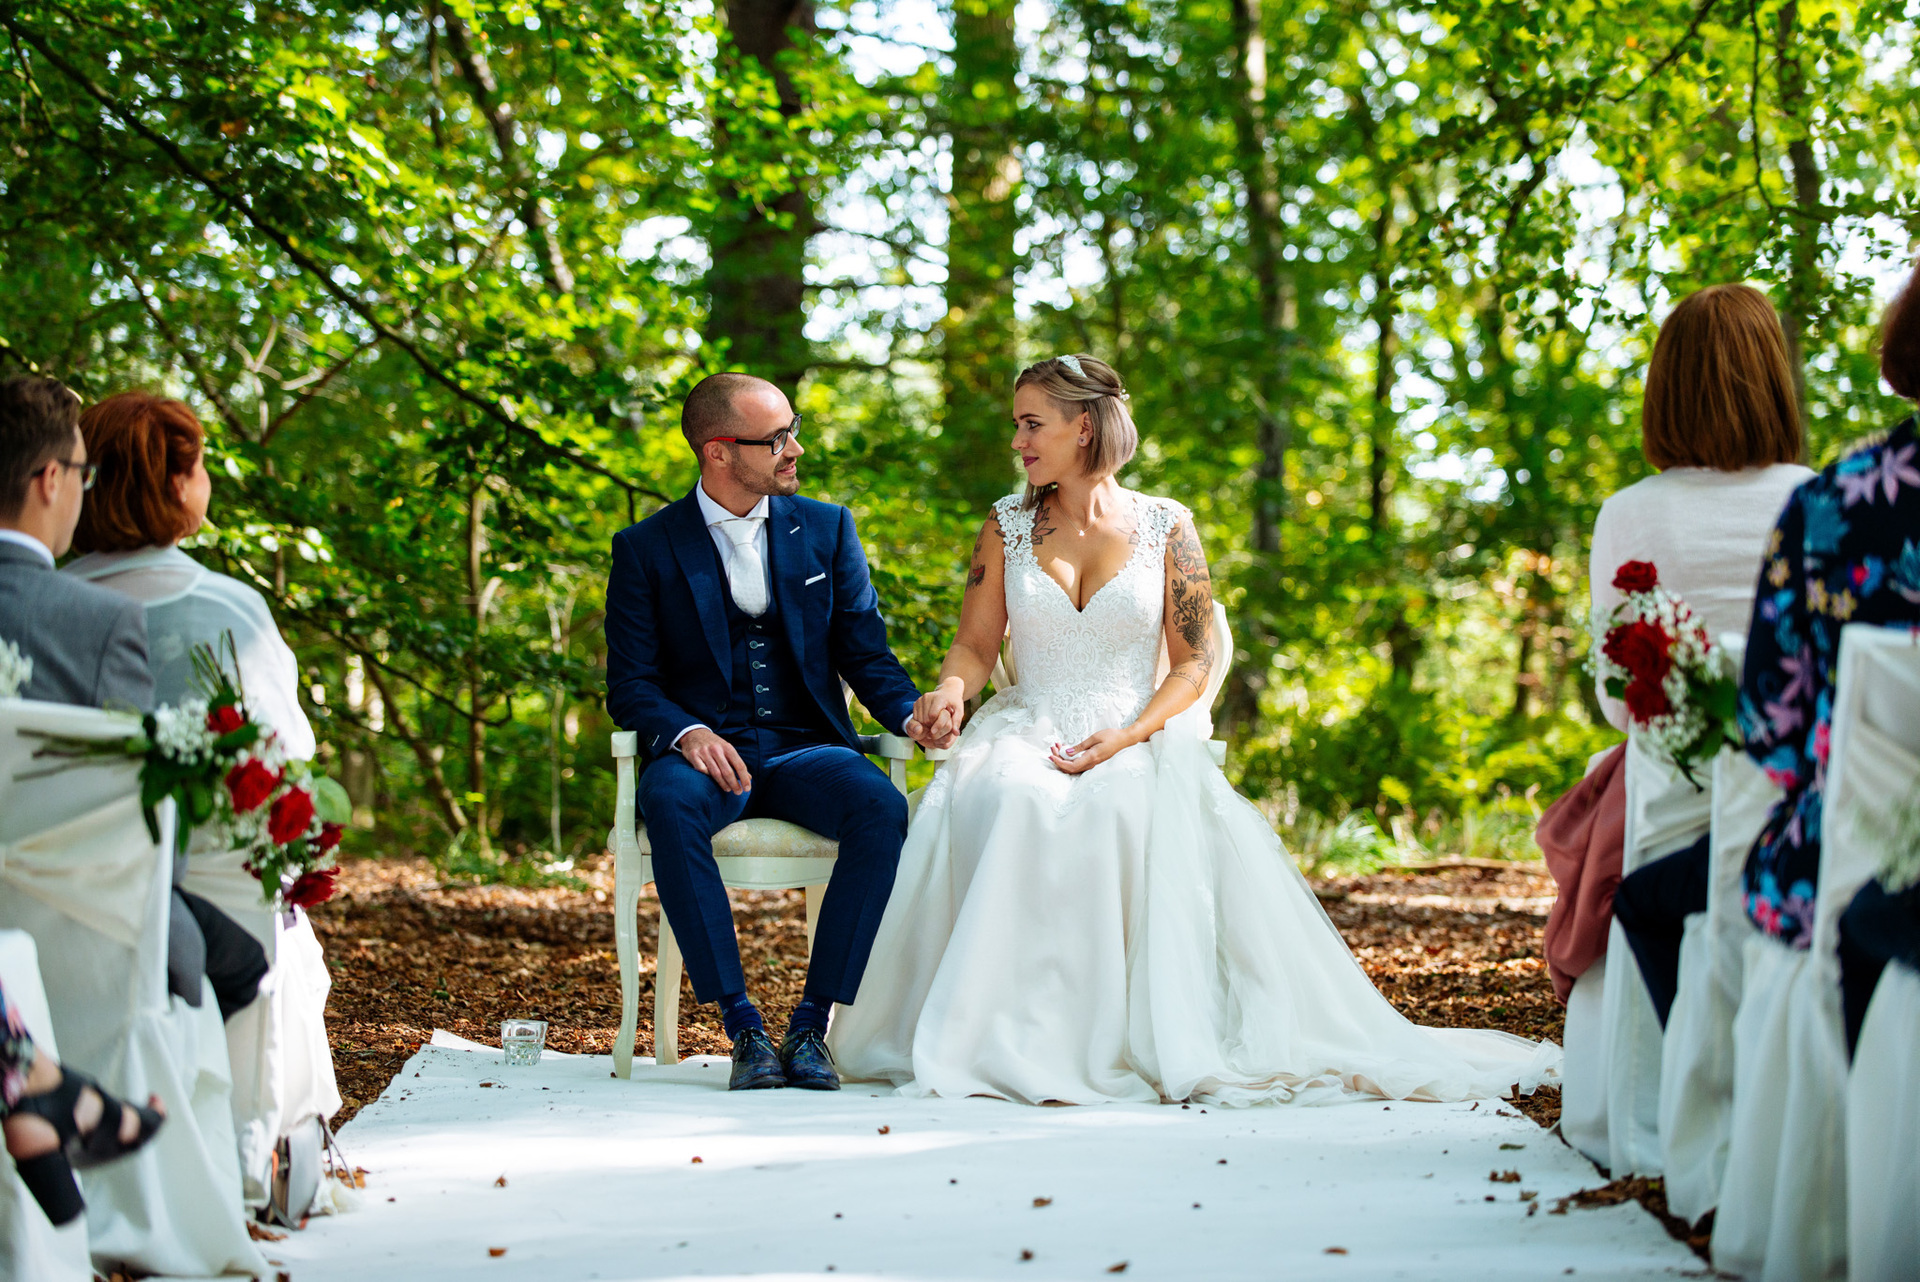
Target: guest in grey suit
[{"x": 88, "y": 644}]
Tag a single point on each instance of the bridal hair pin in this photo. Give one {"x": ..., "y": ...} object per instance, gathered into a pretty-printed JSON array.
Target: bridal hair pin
[{"x": 1072, "y": 363}]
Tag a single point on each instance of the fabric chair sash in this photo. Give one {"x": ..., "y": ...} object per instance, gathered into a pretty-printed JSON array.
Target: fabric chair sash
[{"x": 86, "y": 869}]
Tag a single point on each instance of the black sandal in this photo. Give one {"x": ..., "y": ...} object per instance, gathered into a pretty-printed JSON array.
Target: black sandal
[{"x": 102, "y": 1143}]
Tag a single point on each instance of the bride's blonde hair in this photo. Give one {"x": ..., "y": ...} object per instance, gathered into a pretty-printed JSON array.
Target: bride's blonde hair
[{"x": 1086, "y": 383}]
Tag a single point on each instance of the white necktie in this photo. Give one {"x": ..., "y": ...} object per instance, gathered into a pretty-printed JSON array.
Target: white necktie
[{"x": 746, "y": 572}]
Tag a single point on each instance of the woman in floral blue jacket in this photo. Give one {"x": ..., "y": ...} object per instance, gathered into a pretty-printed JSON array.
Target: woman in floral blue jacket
[{"x": 1846, "y": 550}]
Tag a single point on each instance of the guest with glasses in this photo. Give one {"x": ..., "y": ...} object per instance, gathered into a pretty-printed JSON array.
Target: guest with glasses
[{"x": 88, "y": 644}]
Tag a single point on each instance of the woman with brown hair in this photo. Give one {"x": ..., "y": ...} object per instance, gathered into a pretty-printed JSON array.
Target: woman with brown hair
[
  {"x": 1718, "y": 421},
  {"x": 153, "y": 491}
]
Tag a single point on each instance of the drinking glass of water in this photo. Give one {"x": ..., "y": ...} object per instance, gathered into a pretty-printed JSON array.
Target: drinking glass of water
[{"x": 522, "y": 1040}]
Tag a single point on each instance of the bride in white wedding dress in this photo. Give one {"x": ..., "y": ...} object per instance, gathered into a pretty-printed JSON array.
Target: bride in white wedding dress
[{"x": 1085, "y": 910}]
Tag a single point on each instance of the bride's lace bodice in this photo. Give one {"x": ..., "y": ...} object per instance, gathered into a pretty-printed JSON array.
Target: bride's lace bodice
[{"x": 1096, "y": 668}]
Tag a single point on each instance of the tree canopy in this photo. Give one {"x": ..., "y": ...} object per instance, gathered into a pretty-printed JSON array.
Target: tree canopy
[{"x": 1382, "y": 278}]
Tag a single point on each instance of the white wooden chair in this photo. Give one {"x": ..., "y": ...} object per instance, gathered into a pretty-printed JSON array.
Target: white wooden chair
[
  {"x": 80, "y": 873},
  {"x": 1783, "y": 1205},
  {"x": 753, "y": 854},
  {"x": 1696, "y": 1070}
]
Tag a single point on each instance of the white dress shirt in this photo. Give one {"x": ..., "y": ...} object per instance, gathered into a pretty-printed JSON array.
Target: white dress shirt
[
  {"x": 1706, "y": 533},
  {"x": 46, "y": 553}
]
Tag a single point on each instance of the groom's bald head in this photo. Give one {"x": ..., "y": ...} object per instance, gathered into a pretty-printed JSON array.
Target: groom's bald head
[{"x": 712, "y": 407}]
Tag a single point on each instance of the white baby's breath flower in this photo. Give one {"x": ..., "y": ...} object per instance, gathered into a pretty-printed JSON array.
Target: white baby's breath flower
[
  {"x": 180, "y": 730},
  {"x": 16, "y": 669}
]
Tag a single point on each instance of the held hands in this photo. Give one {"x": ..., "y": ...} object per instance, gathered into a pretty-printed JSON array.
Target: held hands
[
  {"x": 1101, "y": 745},
  {"x": 715, "y": 758},
  {"x": 937, "y": 714}
]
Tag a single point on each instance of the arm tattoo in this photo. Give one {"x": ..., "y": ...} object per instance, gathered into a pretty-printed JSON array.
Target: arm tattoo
[
  {"x": 1191, "y": 587},
  {"x": 978, "y": 573}
]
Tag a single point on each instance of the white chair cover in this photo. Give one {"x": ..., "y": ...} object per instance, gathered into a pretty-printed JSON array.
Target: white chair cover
[
  {"x": 1665, "y": 813},
  {"x": 1583, "y": 1081},
  {"x": 1883, "y": 1134},
  {"x": 1583, "y": 1070},
  {"x": 30, "y": 1247},
  {"x": 1783, "y": 1211},
  {"x": 1696, "y": 1072},
  {"x": 84, "y": 878},
  {"x": 281, "y": 1062}
]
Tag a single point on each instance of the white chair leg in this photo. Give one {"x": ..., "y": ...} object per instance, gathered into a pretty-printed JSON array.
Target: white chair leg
[
  {"x": 814, "y": 895},
  {"x": 666, "y": 998},
  {"x": 626, "y": 946}
]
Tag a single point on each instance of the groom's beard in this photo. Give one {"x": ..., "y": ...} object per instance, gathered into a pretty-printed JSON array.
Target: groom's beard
[{"x": 772, "y": 484}]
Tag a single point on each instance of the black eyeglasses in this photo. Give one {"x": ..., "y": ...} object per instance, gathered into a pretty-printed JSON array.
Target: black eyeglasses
[
  {"x": 776, "y": 444},
  {"x": 89, "y": 472}
]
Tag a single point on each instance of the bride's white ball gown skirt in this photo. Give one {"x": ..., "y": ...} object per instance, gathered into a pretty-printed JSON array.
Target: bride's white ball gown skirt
[{"x": 1135, "y": 932}]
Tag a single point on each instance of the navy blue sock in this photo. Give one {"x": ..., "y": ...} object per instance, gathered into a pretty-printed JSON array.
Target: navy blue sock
[
  {"x": 739, "y": 1015},
  {"x": 810, "y": 1016}
]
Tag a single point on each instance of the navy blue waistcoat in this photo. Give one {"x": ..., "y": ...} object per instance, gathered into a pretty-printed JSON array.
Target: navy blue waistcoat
[{"x": 770, "y": 698}]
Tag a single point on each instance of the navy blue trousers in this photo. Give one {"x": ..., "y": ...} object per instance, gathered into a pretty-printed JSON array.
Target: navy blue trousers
[
  {"x": 827, "y": 788},
  {"x": 1652, "y": 907}
]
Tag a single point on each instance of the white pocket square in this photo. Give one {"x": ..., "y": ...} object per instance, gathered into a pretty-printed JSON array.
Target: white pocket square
[{"x": 815, "y": 579}]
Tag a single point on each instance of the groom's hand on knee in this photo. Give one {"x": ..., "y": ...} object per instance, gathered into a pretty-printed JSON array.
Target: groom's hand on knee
[{"x": 715, "y": 758}]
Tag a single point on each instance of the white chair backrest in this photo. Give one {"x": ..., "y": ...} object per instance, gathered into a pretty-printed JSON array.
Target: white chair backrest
[
  {"x": 1873, "y": 764},
  {"x": 31, "y": 801},
  {"x": 79, "y": 872},
  {"x": 1665, "y": 812}
]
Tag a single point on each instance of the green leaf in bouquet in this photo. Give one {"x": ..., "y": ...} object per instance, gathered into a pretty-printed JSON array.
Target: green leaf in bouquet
[
  {"x": 234, "y": 740},
  {"x": 330, "y": 801},
  {"x": 139, "y": 745},
  {"x": 199, "y": 800}
]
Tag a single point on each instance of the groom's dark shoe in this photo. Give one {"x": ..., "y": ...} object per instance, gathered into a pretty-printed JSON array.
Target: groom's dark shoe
[
  {"x": 756, "y": 1066},
  {"x": 808, "y": 1062}
]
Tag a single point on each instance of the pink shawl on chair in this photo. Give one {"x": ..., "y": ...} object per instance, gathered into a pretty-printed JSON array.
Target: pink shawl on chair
[{"x": 1583, "y": 836}]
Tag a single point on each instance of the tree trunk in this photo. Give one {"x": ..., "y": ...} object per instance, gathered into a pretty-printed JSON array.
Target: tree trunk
[
  {"x": 1273, "y": 290},
  {"x": 978, "y": 340},
  {"x": 1802, "y": 294},
  {"x": 756, "y": 284}
]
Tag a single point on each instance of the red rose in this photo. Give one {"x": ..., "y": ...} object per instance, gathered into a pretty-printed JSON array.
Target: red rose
[
  {"x": 225, "y": 720},
  {"x": 1647, "y": 700},
  {"x": 1642, "y": 649},
  {"x": 1636, "y": 576},
  {"x": 312, "y": 888},
  {"x": 291, "y": 816},
  {"x": 251, "y": 783},
  {"x": 329, "y": 837}
]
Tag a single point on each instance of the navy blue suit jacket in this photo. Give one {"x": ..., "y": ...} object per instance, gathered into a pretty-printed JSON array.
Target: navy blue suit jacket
[{"x": 669, "y": 661}]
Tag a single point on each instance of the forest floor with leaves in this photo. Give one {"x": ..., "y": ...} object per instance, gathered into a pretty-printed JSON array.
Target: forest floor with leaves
[{"x": 1456, "y": 945}]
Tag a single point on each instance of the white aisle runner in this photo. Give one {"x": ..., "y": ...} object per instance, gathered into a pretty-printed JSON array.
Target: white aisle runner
[{"x": 669, "y": 1176}]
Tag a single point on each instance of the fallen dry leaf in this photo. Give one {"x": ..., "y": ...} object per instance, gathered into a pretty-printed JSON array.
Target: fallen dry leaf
[
  {"x": 496, "y": 1251},
  {"x": 1335, "y": 1250},
  {"x": 1043, "y": 1201},
  {"x": 1504, "y": 1177},
  {"x": 261, "y": 1233},
  {"x": 1117, "y": 1268},
  {"x": 698, "y": 1160},
  {"x": 1026, "y": 1255},
  {"x": 500, "y": 1183}
]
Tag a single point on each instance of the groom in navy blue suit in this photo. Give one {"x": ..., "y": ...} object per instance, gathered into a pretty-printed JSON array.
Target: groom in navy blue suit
[{"x": 732, "y": 617}]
